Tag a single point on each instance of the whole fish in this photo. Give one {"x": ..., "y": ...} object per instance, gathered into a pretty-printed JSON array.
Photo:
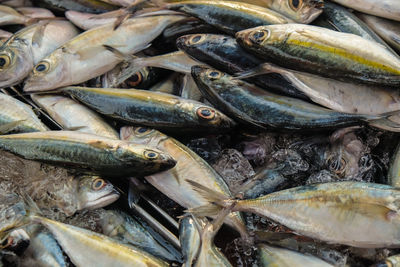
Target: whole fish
[
  {"x": 86, "y": 56},
  {"x": 189, "y": 238},
  {"x": 342, "y": 96},
  {"x": 387, "y": 29},
  {"x": 229, "y": 16},
  {"x": 153, "y": 109},
  {"x": 253, "y": 106},
  {"x": 356, "y": 214},
  {"x": 386, "y": 8},
  {"x": 172, "y": 183},
  {"x": 317, "y": 50},
  {"x": 87, "y": 248},
  {"x": 121, "y": 226},
  {"x": 71, "y": 114},
  {"x": 91, "y": 6},
  {"x": 176, "y": 61},
  {"x": 336, "y": 17},
  {"x": 96, "y": 153},
  {"x": 272, "y": 256},
  {"x": 224, "y": 53},
  {"x": 28, "y": 46},
  {"x": 13, "y": 110}
]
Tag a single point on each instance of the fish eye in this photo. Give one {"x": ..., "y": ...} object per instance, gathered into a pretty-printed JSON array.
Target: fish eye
[
  {"x": 98, "y": 184},
  {"x": 206, "y": 113},
  {"x": 43, "y": 66},
  {"x": 196, "y": 39},
  {"x": 150, "y": 154},
  {"x": 142, "y": 130},
  {"x": 213, "y": 74},
  {"x": 135, "y": 79},
  {"x": 295, "y": 4},
  {"x": 4, "y": 61},
  {"x": 259, "y": 36}
]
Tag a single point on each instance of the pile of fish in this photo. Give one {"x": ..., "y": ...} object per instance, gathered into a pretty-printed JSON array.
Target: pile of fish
[{"x": 199, "y": 133}]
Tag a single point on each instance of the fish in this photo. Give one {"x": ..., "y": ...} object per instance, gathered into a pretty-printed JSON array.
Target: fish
[
  {"x": 228, "y": 16},
  {"x": 224, "y": 53},
  {"x": 273, "y": 256},
  {"x": 176, "y": 61},
  {"x": 121, "y": 226},
  {"x": 388, "y": 9},
  {"x": 22, "y": 51},
  {"x": 87, "y": 151},
  {"x": 11, "y": 16},
  {"x": 341, "y": 96},
  {"x": 87, "y": 21},
  {"x": 338, "y": 18},
  {"x": 252, "y": 106},
  {"x": 154, "y": 109},
  {"x": 189, "y": 238},
  {"x": 71, "y": 114},
  {"x": 35, "y": 12},
  {"x": 392, "y": 261},
  {"x": 87, "y": 248},
  {"x": 85, "y": 56},
  {"x": 13, "y": 110},
  {"x": 387, "y": 29},
  {"x": 172, "y": 183},
  {"x": 337, "y": 212},
  {"x": 13, "y": 212},
  {"x": 90, "y": 6},
  {"x": 316, "y": 50},
  {"x": 43, "y": 249}
]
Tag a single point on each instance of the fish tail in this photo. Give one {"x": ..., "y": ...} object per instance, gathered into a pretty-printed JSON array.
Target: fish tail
[
  {"x": 261, "y": 69},
  {"x": 385, "y": 119},
  {"x": 217, "y": 201}
]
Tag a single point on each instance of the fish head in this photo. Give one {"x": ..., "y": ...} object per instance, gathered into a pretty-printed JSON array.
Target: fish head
[
  {"x": 262, "y": 36},
  {"x": 193, "y": 41},
  {"x": 152, "y": 160},
  {"x": 301, "y": 11},
  {"x": 208, "y": 76},
  {"x": 15, "y": 64},
  {"x": 142, "y": 135},
  {"x": 111, "y": 222},
  {"x": 94, "y": 192},
  {"x": 50, "y": 73}
]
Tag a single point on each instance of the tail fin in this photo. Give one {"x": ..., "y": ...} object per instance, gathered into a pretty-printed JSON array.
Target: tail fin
[
  {"x": 384, "y": 119},
  {"x": 264, "y": 68}
]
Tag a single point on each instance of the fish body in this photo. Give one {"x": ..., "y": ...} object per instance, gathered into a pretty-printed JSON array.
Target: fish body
[
  {"x": 253, "y": 106},
  {"x": 87, "y": 21},
  {"x": 229, "y": 16},
  {"x": 189, "y": 238},
  {"x": 20, "y": 53},
  {"x": 85, "y": 56},
  {"x": 87, "y": 248},
  {"x": 224, "y": 53},
  {"x": 87, "y": 151},
  {"x": 386, "y": 8},
  {"x": 71, "y": 114},
  {"x": 189, "y": 165},
  {"x": 153, "y": 109},
  {"x": 90, "y": 6},
  {"x": 272, "y": 256},
  {"x": 317, "y": 50},
  {"x": 394, "y": 169},
  {"x": 13, "y": 110}
]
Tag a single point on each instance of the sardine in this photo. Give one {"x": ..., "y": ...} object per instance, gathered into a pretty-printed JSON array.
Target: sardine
[
  {"x": 253, "y": 106},
  {"x": 13, "y": 110},
  {"x": 317, "y": 50},
  {"x": 172, "y": 183},
  {"x": 272, "y": 256},
  {"x": 100, "y": 154},
  {"x": 86, "y": 57},
  {"x": 153, "y": 109},
  {"x": 27, "y": 47},
  {"x": 351, "y": 213},
  {"x": 71, "y": 114}
]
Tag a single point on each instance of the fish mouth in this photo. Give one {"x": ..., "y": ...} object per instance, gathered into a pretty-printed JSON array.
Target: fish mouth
[
  {"x": 180, "y": 42},
  {"x": 317, "y": 4},
  {"x": 243, "y": 38},
  {"x": 103, "y": 200}
]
